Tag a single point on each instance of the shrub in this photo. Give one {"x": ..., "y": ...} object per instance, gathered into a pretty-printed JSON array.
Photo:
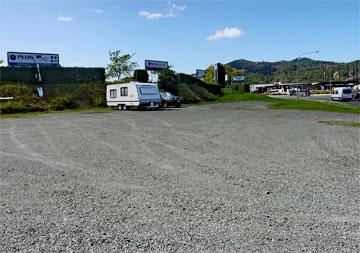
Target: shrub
[
  {"x": 14, "y": 90},
  {"x": 188, "y": 95},
  {"x": 52, "y": 75},
  {"x": 19, "y": 106},
  {"x": 168, "y": 81},
  {"x": 62, "y": 102},
  {"x": 202, "y": 93},
  {"x": 141, "y": 75},
  {"x": 321, "y": 92}
]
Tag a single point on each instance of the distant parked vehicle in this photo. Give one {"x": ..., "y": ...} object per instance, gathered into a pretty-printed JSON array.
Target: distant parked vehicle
[
  {"x": 168, "y": 99},
  {"x": 134, "y": 94},
  {"x": 276, "y": 91},
  {"x": 342, "y": 94},
  {"x": 293, "y": 90},
  {"x": 304, "y": 92},
  {"x": 356, "y": 92}
]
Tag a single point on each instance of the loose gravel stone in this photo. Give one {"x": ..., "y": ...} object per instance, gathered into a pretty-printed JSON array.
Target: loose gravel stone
[{"x": 235, "y": 177}]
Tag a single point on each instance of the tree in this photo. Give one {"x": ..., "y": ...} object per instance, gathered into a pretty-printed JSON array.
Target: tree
[
  {"x": 209, "y": 74},
  {"x": 168, "y": 81},
  {"x": 141, "y": 75},
  {"x": 1, "y": 61},
  {"x": 120, "y": 64}
]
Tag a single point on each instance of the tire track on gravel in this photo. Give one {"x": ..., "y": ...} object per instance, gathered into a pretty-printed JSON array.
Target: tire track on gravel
[
  {"x": 35, "y": 156},
  {"x": 147, "y": 155},
  {"x": 334, "y": 155}
]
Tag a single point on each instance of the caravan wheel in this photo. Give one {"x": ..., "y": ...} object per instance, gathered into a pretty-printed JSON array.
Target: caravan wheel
[{"x": 124, "y": 107}]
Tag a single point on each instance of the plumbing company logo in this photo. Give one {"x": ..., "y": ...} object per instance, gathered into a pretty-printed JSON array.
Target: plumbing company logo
[{"x": 13, "y": 57}]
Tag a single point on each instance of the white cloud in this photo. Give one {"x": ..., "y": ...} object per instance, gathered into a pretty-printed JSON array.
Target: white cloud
[
  {"x": 65, "y": 19},
  {"x": 178, "y": 7},
  {"x": 172, "y": 11},
  {"x": 149, "y": 15},
  {"x": 99, "y": 11},
  {"x": 227, "y": 33}
]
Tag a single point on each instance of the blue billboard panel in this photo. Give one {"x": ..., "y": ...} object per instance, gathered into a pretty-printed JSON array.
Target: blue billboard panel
[{"x": 32, "y": 59}]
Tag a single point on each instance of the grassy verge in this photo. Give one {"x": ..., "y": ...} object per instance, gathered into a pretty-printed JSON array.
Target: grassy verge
[
  {"x": 340, "y": 123},
  {"x": 274, "y": 103},
  {"x": 31, "y": 114},
  {"x": 277, "y": 103}
]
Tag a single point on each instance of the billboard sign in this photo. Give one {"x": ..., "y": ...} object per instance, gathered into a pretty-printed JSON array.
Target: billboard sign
[
  {"x": 219, "y": 74},
  {"x": 200, "y": 73},
  {"x": 238, "y": 78},
  {"x": 31, "y": 59},
  {"x": 156, "y": 65}
]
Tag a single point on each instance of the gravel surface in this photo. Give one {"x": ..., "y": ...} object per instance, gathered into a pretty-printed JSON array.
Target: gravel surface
[{"x": 233, "y": 178}]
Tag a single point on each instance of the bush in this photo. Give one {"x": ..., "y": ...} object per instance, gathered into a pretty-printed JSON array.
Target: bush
[
  {"x": 321, "y": 91},
  {"x": 141, "y": 75},
  {"x": 168, "y": 81},
  {"x": 14, "y": 90},
  {"x": 19, "y": 106},
  {"x": 202, "y": 93},
  {"x": 188, "y": 95},
  {"x": 52, "y": 75},
  {"x": 62, "y": 102},
  {"x": 56, "y": 97}
]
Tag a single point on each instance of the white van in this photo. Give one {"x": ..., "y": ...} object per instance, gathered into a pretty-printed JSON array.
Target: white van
[
  {"x": 134, "y": 94},
  {"x": 342, "y": 94}
]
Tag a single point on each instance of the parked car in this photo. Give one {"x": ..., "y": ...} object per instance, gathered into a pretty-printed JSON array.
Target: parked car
[
  {"x": 168, "y": 99},
  {"x": 304, "y": 92},
  {"x": 342, "y": 94}
]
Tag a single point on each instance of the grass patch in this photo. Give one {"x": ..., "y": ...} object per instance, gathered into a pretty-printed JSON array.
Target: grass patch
[
  {"x": 314, "y": 105},
  {"x": 290, "y": 104},
  {"x": 32, "y": 114},
  {"x": 340, "y": 123}
]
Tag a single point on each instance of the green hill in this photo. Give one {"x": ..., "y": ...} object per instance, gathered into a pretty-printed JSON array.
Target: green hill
[{"x": 285, "y": 71}]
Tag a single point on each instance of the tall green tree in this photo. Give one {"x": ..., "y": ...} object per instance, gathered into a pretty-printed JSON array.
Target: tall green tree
[
  {"x": 168, "y": 81},
  {"x": 120, "y": 64},
  {"x": 209, "y": 74}
]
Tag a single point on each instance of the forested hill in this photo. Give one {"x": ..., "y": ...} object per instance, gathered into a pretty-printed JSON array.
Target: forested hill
[{"x": 285, "y": 71}]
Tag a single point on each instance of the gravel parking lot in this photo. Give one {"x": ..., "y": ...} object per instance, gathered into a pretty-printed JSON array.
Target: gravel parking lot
[{"x": 233, "y": 177}]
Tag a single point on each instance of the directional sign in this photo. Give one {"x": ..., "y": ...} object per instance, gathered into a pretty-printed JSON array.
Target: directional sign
[
  {"x": 200, "y": 73},
  {"x": 156, "y": 65},
  {"x": 238, "y": 78}
]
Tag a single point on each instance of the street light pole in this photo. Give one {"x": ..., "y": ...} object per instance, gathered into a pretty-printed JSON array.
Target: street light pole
[{"x": 297, "y": 70}]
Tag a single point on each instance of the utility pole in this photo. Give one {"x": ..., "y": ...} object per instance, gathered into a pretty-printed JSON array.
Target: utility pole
[{"x": 297, "y": 71}]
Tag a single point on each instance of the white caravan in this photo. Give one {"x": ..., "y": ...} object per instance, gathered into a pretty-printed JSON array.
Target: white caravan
[
  {"x": 342, "y": 94},
  {"x": 134, "y": 94}
]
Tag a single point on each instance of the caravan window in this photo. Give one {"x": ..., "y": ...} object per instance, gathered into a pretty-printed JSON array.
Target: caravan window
[
  {"x": 113, "y": 93},
  {"x": 124, "y": 91},
  {"x": 148, "y": 90}
]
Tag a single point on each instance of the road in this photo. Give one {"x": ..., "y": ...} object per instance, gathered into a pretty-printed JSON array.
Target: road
[
  {"x": 234, "y": 177},
  {"x": 321, "y": 98}
]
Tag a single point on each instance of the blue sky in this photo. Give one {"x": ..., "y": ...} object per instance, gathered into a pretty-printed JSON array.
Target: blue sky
[{"x": 187, "y": 34}]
